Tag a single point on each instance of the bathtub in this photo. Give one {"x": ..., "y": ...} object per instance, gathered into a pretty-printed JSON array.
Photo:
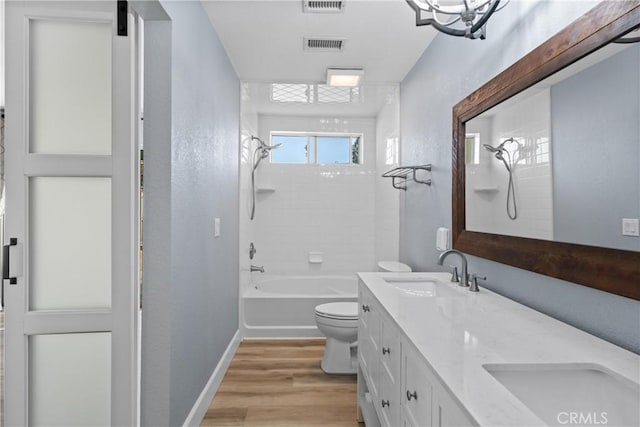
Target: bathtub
[{"x": 284, "y": 306}]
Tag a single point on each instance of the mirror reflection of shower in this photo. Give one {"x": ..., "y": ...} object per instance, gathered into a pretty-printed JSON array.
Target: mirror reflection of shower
[
  {"x": 499, "y": 153},
  {"x": 261, "y": 152}
]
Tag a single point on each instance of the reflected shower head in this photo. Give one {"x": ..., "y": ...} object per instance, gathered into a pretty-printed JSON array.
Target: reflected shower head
[
  {"x": 492, "y": 149},
  {"x": 499, "y": 148}
]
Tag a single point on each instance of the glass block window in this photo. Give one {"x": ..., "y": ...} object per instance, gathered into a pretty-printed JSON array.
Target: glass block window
[{"x": 302, "y": 93}]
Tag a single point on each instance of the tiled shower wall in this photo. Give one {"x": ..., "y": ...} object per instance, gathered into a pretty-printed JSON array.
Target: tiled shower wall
[
  {"x": 331, "y": 209},
  {"x": 248, "y": 128}
]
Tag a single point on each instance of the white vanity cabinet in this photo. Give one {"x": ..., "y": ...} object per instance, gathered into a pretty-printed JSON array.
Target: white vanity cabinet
[
  {"x": 396, "y": 387},
  {"x": 425, "y": 402},
  {"x": 379, "y": 362}
]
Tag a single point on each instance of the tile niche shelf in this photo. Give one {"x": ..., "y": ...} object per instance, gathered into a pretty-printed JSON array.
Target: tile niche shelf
[
  {"x": 265, "y": 189},
  {"x": 400, "y": 175},
  {"x": 486, "y": 189}
]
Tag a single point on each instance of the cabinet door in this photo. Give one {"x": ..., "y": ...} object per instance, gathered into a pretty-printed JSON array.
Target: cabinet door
[
  {"x": 447, "y": 412},
  {"x": 417, "y": 389},
  {"x": 364, "y": 342},
  {"x": 368, "y": 340}
]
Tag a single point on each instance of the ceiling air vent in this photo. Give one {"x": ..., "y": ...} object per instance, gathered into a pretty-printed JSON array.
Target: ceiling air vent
[
  {"x": 323, "y": 6},
  {"x": 324, "y": 44}
]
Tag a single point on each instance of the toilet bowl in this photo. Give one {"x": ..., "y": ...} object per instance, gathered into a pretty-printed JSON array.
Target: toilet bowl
[
  {"x": 338, "y": 321},
  {"x": 393, "y": 266}
]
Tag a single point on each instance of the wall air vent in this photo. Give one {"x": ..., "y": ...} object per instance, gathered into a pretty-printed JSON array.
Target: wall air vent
[
  {"x": 323, "y": 6},
  {"x": 324, "y": 44}
]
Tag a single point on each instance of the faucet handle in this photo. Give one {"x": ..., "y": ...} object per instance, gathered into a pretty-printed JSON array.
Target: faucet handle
[
  {"x": 473, "y": 285},
  {"x": 454, "y": 274}
]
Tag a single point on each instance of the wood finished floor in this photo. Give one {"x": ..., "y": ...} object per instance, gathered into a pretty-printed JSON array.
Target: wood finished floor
[{"x": 280, "y": 383}]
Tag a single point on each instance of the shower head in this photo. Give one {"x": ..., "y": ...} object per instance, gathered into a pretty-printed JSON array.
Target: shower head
[
  {"x": 271, "y": 147},
  {"x": 263, "y": 145},
  {"x": 264, "y": 148}
]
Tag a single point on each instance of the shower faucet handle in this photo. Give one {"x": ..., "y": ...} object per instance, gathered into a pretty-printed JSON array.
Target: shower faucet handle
[
  {"x": 257, "y": 268},
  {"x": 252, "y": 250},
  {"x": 454, "y": 274}
]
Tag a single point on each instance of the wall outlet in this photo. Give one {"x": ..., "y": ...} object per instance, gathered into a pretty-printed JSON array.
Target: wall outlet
[
  {"x": 216, "y": 227},
  {"x": 631, "y": 227}
]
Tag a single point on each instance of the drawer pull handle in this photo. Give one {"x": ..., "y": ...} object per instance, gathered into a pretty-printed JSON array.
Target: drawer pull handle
[
  {"x": 385, "y": 403},
  {"x": 386, "y": 350},
  {"x": 365, "y": 308},
  {"x": 413, "y": 395}
]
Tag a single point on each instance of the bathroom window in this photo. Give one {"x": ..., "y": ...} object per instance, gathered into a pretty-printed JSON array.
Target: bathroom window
[{"x": 323, "y": 149}]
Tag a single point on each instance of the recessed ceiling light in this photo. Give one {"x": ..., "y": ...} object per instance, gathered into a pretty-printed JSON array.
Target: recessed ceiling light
[{"x": 349, "y": 77}]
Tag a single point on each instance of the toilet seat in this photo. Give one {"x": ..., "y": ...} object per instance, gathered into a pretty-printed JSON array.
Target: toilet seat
[{"x": 338, "y": 310}]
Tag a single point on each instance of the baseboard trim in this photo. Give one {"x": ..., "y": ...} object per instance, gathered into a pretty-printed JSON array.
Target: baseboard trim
[{"x": 199, "y": 409}]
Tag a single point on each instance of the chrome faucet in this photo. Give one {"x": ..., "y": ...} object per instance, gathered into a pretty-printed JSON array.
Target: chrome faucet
[
  {"x": 464, "y": 276},
  {"x": 256, "y": 268}
]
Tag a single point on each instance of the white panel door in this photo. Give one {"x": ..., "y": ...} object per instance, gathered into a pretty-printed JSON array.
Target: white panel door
[{"x": 71, "y": 222}]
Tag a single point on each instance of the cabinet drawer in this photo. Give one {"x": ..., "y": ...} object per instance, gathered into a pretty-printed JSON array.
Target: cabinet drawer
[
  {"x": 388, "y": 402},
  {"x": 390, "y": 348}
]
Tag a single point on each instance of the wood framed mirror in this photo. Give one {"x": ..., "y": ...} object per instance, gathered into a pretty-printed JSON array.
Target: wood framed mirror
[{"x": 606, "y": 268}]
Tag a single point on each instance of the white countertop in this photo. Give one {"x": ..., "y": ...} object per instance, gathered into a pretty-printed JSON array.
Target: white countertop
[{"x": 482, "y": 328}]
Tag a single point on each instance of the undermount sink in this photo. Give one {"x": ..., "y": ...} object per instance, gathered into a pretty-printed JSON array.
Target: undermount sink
[
  {"x": 421, "y": 287},
  {"x": 576, "y": 394}
]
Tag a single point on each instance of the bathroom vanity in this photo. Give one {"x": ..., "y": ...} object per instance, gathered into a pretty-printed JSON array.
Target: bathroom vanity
[{"x": 432, "y": 353}]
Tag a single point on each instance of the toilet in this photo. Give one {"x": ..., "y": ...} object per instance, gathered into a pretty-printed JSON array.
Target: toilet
[
  {"x": 338, "y": 321},
  {"x": 393, "y": 266}
]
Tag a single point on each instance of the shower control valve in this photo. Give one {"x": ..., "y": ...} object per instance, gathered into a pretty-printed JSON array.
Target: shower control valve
[{"x": 252, "y": 250}]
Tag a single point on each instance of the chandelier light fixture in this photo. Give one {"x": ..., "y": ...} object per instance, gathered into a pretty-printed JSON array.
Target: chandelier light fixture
[{"x": 460, "y": 18}]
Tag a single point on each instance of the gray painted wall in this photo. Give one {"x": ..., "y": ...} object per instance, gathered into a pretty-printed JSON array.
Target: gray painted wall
[
  {"x": 596, "y": 152},
  {"x": 196, "y": 297},
  {"x": 449, "y": 70}
]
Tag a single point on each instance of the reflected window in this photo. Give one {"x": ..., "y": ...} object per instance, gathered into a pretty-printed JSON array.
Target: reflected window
[{"x": 472, "y": 148}]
